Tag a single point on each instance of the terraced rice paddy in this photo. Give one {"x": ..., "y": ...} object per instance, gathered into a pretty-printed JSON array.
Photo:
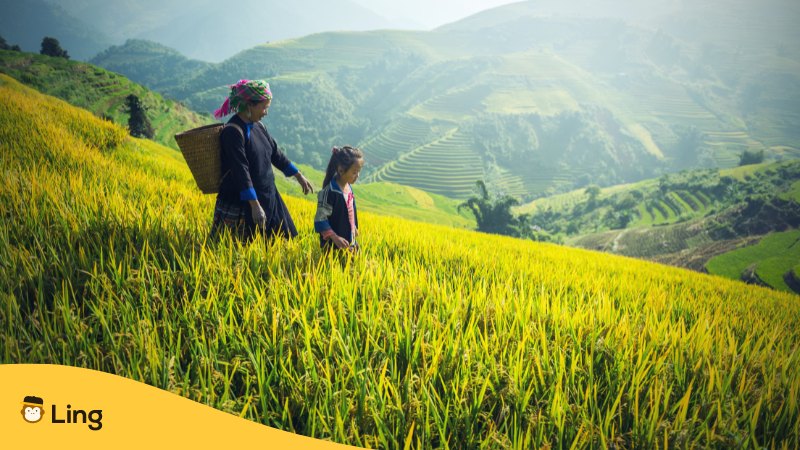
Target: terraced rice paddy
[
  {"x": 509, "y": 184},
  {"x": 453, "y": 106},
  {"x": 401, "y": 136},
  {"x": 729, "y": 145},
  {"x": 449, "y": 166},
  {"x": 670, "y": 209}
]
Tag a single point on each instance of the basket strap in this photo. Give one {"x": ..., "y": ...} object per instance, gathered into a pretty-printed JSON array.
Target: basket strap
[{"x": 238, "y": 128}]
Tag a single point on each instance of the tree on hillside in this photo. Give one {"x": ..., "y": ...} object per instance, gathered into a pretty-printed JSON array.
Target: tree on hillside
[
  {"x": 51, "y": 47},
  {"x": 494, "y": 215},
  {"x": 688, "y": 147},
  {"x": 138, "y": 123},
  {"x": 751, "y": 157},
  {"x": 4, "y": 45},
  {"x": 593, "y": 191}
]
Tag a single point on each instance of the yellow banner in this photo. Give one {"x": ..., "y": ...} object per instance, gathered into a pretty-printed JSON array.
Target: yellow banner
[{"x": 61, "y": 407}]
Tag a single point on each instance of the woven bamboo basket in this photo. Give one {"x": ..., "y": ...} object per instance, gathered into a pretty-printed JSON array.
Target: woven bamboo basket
[{"x": 201, "y": 147}]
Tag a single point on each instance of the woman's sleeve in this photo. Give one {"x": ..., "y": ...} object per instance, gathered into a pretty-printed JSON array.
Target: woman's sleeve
[{"x": 233, "y": 151}]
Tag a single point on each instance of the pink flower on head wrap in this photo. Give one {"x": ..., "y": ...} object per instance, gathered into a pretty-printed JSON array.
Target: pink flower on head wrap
[{"x": 242, "y": 93}]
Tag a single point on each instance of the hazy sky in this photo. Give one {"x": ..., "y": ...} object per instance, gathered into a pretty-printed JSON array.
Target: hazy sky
[{"x": 429, "y": 13}]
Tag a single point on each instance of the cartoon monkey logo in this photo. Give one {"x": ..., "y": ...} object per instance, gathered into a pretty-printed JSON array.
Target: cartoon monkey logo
[{"x": 32, "y": 409}]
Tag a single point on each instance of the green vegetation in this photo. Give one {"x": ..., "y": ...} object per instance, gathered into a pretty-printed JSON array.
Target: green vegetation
[
  {"x": 389, "y": 199},
  {"x": 749, "y": 157},
  {"x": 682, "y": 219},
  {"x": 5, "y": 46},
  {"x": 396, "y": 200},
  {"x": 493, "y": 215},
  {"x": 768, "y": 262},
  {"x": 431, "y": 337},
  {"x": 102, "y": 92},
  {"x": 51, "y": 47},
  {"x": 676, "y": 198},
  {"x": 138, "y": 123},
  {"x": 446, "y": 166},
  {"x": 150, "y": 64},
  {"x": 793, "y": 193}
]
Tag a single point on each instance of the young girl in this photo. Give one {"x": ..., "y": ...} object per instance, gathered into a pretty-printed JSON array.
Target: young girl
[{"x": 337, "y": 220}]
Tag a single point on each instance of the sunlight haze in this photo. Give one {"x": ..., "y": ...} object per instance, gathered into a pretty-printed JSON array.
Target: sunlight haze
[{"x": 428, "y": 14}]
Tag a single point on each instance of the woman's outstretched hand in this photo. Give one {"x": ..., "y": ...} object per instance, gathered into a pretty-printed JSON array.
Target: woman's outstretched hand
[
  {"x": 340, "y": 242},
  {"x": 304, "y": 183}
]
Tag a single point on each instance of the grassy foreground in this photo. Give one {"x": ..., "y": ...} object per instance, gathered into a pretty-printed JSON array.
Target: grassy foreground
[{"x": 431, "y": 337}]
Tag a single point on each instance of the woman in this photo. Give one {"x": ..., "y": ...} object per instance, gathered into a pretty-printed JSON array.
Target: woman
[{"x": 248, "y": 199}]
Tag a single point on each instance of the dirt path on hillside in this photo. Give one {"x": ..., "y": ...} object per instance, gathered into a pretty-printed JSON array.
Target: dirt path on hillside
[
  {"x": 696, "y": 258},
  {"x": 615, "y": 243}
]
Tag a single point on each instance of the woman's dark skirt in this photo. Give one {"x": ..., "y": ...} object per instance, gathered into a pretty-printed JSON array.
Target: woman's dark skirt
[{"x": 236, "y": 218}]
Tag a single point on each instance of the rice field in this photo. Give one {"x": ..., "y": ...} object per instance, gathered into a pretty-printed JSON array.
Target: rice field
[
  {"x": 431, "y": 337},
  {"x": 771, "y": 260},
  {"x": 447, "y": 166},
  {"x": 403, "y": 135}
]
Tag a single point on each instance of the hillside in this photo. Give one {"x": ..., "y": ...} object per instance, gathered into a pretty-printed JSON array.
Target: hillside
[
  {"x": 393, "y": 200},
  {"x": 533, "y": 97},
  {"x": 103, "y": 93},
  {"x": 430, "y": 337},
  {"x": 156, "y": 66},
  {"x": 99, "y": 91},
  {"x": 690, "y": 219}
]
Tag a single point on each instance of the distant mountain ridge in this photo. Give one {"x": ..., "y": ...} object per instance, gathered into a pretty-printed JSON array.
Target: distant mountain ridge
[
  {"x": 530, "y": 97},
  {"x": 210, "y": 30},
  {"x": 157, "y": 66},
  {"x": 27, "y": 22},
  {"x": 206, "y": 30}
]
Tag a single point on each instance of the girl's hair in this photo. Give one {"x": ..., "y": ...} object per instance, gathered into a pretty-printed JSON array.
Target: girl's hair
[{"x": 343, "y": 157}]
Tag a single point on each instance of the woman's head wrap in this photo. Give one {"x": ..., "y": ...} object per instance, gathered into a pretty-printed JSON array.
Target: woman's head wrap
[{"x": 242, "y": 93}]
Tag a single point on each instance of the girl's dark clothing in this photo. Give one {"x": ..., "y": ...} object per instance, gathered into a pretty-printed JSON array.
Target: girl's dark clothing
[
  {"x": 332, "y": 214},
  {"x": 247, "y": 158}
]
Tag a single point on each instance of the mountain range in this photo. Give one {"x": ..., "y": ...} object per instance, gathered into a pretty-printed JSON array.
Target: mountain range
[
  {"x": 533, "y": 97},
  {"x": 203, "y": 29}
]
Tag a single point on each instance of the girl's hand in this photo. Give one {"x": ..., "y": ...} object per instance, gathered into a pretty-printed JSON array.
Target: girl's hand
[{"x": 304, "y": 183}]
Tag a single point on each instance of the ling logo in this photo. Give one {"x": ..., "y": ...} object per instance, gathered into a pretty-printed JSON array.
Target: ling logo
[{"x": 32, "y": 409}]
